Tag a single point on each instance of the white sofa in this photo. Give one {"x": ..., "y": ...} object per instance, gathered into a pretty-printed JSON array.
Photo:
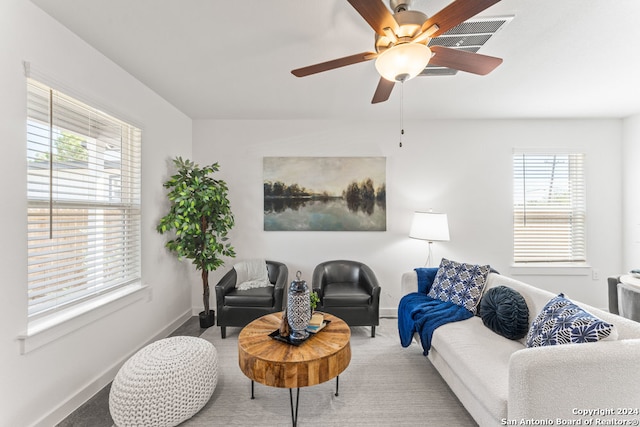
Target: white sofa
[{"x": 501, "y": 382}]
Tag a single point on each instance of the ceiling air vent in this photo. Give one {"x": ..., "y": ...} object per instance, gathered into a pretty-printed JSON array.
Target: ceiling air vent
[{"x": 471, "y": 35}]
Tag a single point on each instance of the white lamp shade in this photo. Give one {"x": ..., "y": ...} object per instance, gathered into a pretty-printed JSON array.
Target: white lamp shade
[
  {"x": 403, "y": 62},
  {"x": 430, "y": 226}
]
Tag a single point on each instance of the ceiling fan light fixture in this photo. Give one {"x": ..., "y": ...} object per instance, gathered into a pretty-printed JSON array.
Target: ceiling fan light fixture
[{"x": 403, "y": 61}]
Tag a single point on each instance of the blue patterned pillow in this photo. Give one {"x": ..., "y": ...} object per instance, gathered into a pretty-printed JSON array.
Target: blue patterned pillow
[
  {"x": 459, "y": 283},
  {"x": 563, "y": 322}
]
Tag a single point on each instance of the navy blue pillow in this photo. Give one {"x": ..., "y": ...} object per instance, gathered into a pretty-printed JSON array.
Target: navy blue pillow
[
  {"x": 505, "y": 312},
  {"x": 426, "y": 276}
]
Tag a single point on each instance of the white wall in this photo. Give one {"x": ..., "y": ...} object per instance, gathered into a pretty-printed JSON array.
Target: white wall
[
  {"x": 631, "y": 193},
  {"x": 459, "y": 167},
  {"x": 44, "y": 385},
  {"x": 462, "y": 168}
]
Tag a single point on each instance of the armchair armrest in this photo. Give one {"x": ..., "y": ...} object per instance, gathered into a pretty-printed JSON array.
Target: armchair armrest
[
  {"x": 280, "y": 285},
  {"x": 612, "y": 285},
  {"x": 550, "y": 382},
  {"x": 283, "y": 277},
  {"x": 369, "y": 280},
  {"x": 223, "y": 286},
  {"x": 318, "y": 280}
]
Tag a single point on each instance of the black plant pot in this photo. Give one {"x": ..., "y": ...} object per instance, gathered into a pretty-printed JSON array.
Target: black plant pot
[{"x": 207, "y": 320}]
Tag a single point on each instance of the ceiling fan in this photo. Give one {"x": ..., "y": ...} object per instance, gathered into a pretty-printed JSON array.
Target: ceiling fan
[{"x": 402, "y": 39}]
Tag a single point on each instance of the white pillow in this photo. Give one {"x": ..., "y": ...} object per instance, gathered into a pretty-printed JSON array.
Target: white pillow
[{"x": 252, "y": 274}]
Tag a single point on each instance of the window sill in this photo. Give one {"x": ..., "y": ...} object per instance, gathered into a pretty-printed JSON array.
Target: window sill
[
  {"x": 48, "y": 329},
  {"x": 550, "y": 269}
]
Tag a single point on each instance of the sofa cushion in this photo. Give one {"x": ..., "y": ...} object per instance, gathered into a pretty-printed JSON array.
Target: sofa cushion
[
  {"x": 255, "y": 297},
  {"x": 460, "y": 283},
  {"x": 505, "y": 312},
  {"x": 345, "y": 295},
  {"x": 479, "y": 359},
  {"x": 563, "y": 322}
]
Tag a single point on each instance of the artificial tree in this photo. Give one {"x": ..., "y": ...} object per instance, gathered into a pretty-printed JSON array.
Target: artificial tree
[{"x": 200, "y": 217}]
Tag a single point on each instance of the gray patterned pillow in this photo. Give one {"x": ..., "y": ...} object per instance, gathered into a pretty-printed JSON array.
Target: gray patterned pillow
[
  {"x": 563, "y": 322},
  {"x": 459, "y": 283}
]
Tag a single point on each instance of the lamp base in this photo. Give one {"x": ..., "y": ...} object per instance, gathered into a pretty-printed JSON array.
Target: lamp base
[{"x": 429, "y": 255}]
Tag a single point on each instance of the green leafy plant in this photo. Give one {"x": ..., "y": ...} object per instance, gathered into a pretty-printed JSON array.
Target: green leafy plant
[
  {"x": 315, "y": 299},
  {"x": 200, "y": 217}
]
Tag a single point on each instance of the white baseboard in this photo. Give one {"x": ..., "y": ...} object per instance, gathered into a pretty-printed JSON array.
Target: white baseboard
[{"x": 83, "y": 395}]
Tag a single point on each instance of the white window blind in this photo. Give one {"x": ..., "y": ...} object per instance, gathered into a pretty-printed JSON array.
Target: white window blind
[
  {"x": 83, "y": 201},
  {"x": 549, "y": 208}
]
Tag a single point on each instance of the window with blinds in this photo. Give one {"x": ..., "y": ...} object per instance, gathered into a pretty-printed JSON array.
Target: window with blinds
[
  {"x": 83, "y": 201},
  {"x": 549, "y": 208}
]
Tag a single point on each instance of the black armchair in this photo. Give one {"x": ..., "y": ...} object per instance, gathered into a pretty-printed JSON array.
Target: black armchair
[
  {"x": 624, "y": 298},
  {"x": 238, "y": 308},
  {"x": 613, "y": 293},
  {"x": 629, "y": 301},
  {"x": 349, "y": 290}
]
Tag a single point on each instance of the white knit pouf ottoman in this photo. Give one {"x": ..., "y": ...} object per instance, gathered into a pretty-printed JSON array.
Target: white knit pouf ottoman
[{"x": 164, "y": 383}]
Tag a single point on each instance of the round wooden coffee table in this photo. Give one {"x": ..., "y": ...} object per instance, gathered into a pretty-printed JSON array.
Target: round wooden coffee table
[{"x": 274, "y": 363}]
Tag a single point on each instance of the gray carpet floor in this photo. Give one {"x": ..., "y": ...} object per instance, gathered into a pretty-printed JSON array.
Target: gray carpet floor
[
  {"x": 95, "y": 412},
  {"x": 384, "y": 385}
]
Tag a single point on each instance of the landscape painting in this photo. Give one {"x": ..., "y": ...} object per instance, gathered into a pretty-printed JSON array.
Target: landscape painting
[{"x": 325, "y": 194}]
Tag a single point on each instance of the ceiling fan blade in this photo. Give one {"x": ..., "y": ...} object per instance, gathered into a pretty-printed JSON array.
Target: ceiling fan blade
[
  {"x": 456, "y": 13},
  {"x": 335, "y": 63},
  {"x": 383, "y": 91},
  {"x": 464, "y": 61},
  {"x": 376, "y": 14}
]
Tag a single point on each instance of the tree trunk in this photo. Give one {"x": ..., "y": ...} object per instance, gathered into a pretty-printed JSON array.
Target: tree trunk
[
  {"x": 205, "y": 290},
  {"x": 205, "y": 272}
]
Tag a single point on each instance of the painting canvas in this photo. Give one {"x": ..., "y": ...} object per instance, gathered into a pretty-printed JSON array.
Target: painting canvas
[{"x": 324, "y": 193}]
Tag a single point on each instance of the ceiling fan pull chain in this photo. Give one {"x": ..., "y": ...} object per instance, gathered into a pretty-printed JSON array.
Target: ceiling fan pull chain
[{"x": 401, "y": 111}]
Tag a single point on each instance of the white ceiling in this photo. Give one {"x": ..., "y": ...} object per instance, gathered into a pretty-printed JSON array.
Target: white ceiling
[{"x": 232, "y": 59}]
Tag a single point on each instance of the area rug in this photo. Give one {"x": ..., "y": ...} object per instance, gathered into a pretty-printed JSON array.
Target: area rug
[{"x": 384, "y": 385}]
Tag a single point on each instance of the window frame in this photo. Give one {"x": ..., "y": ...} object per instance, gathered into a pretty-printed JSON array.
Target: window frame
[
  {"x": 567, "y": 251},
  {"x": 112, "y": 271}
]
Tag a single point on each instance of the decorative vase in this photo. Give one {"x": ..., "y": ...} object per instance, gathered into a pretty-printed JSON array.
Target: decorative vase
[{"x": 298, "y": 308}]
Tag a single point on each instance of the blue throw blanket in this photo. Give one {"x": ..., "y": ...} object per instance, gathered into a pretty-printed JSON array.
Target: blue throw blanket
[{"x": 419, "y": 313}]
